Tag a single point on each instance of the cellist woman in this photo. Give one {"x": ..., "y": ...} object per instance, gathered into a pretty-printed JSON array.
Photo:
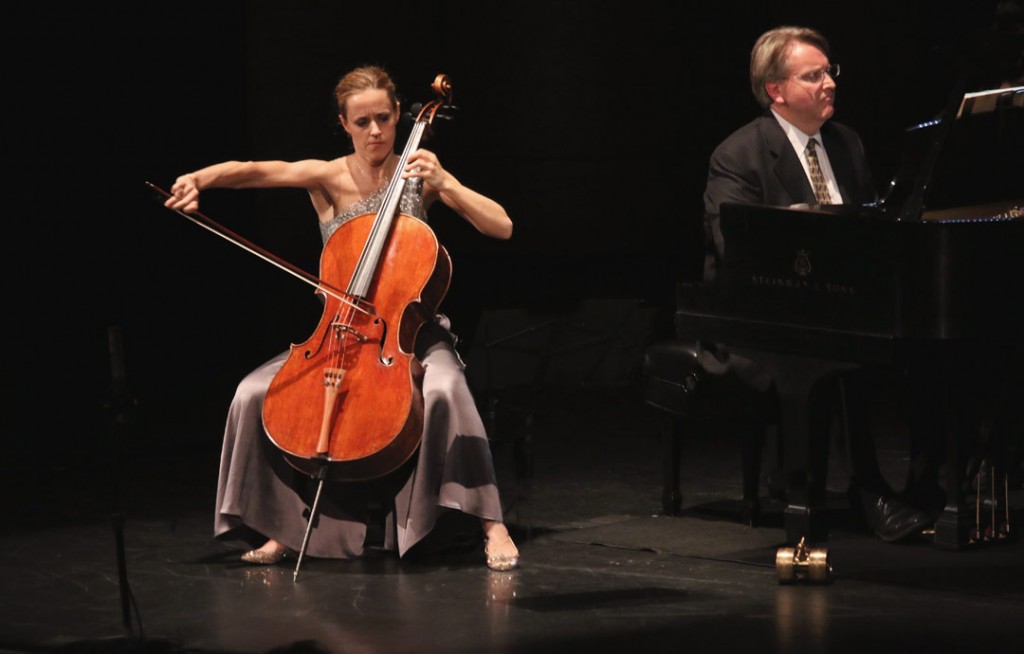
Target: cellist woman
[{"x": 258, "y": 499}]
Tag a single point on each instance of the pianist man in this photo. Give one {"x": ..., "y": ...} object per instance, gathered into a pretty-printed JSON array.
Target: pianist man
[{"x": 794, "y": 155}]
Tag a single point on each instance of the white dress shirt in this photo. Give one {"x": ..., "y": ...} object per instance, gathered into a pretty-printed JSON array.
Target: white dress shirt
[{"x": 799, "y": 141}]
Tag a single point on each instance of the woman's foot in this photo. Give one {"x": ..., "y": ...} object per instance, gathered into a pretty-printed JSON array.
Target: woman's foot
[
  {"x": 501, "y": 552},
  {"x": 272, "y": 552}
]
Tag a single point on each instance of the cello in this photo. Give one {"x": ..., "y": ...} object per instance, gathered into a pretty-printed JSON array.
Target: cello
[{"x": 347, "y": 403}]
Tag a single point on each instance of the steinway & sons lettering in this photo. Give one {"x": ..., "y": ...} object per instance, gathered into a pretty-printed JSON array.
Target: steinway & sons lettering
[{"x": 795, "y": 283}]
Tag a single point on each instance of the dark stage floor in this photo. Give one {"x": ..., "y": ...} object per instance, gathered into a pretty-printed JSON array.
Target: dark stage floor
[{"x": 602, "y": 570}]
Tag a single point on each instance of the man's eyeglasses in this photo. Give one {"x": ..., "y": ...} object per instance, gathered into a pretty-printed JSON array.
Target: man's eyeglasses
[{"x": 815, "y": 76}]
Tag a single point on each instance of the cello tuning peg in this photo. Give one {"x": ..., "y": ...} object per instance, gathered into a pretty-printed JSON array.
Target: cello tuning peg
[
  {"x": 413, "y": 112},
  {"x": 448, "y": 111}
]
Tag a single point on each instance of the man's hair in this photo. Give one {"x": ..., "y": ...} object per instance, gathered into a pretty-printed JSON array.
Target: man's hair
[{"x": 770, "y": 55}]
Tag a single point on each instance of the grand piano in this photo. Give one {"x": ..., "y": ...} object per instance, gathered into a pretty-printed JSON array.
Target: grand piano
[{"x": 923, "y": 280}]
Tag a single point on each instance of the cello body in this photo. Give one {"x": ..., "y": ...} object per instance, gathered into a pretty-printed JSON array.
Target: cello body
[
  {"x": 347, "y": 403},
  {"x": 362, "y": 358}
]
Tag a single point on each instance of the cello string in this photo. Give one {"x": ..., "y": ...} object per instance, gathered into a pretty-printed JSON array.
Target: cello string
[{"x": 370, "y": 256}]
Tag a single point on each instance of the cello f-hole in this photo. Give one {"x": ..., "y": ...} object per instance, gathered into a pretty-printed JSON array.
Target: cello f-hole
[
  {"x": 309, "y": 354},
  {"x": 385, "y": 361}
]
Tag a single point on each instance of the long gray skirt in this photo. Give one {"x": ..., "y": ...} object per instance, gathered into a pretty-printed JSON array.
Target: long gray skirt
[{"x": 260, "y": 496}]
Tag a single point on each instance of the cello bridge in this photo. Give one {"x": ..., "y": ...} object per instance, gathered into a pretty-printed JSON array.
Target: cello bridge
[{"x": 343, "y": 328}]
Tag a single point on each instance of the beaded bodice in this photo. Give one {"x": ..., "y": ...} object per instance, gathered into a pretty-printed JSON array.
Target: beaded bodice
[{"x": 411, "y": 203}]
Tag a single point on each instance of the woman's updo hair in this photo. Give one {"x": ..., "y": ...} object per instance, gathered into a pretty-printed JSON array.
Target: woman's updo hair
[{"x": 362, "y": 79}]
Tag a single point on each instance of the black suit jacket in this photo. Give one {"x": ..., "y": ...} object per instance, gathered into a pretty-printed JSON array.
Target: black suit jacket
[{"x": 756, "y": 164}]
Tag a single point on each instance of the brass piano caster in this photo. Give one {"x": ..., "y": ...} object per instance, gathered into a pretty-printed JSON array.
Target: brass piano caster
[{"x": 795, "y": 564}]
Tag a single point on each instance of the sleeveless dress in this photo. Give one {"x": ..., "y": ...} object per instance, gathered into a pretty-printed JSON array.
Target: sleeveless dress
[{"x": 260, "y": 496}]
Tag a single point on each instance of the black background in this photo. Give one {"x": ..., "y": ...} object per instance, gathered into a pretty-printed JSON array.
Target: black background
[{"x": 591, "y": 122}]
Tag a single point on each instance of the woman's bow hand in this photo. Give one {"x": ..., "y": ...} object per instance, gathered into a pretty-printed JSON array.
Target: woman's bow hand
[{"x": 184, "y": 194}]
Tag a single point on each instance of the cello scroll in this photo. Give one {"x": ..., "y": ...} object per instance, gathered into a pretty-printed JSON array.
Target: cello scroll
[{"x": 442, "y": 87}]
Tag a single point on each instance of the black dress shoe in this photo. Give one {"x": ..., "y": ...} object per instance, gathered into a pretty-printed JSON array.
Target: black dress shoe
[{"x": 893, "y": 520}]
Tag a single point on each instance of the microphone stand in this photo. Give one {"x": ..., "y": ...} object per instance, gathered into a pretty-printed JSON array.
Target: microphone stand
[{"x": 119, "y": 409}]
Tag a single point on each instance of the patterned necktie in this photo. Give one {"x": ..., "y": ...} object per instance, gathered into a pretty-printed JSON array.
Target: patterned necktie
[{"x": 818, "y": 182}]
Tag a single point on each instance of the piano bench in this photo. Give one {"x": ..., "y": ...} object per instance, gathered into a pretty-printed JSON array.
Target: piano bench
[{"x": 675, "y": 382}]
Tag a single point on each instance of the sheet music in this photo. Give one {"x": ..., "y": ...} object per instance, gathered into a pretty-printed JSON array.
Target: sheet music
[{"x": 980, "y": 102}]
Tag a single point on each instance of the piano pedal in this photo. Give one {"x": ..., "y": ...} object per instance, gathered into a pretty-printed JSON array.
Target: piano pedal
[
  {"x": 974, "y": 536},
  {"x": 992, "y": 513}
]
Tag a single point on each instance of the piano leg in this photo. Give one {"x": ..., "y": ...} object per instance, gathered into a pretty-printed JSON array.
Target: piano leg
[
  {"x": 806, "y": 419},
  {"x": 952, "y": 529},
  {"x": 671, "y": 496},
  {"x": 954, "y": 524},
  {"x": 802, "y": 462},
  {"x": 753, "y": 438}
]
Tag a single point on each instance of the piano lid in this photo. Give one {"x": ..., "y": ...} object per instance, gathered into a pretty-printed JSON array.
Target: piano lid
[{"x": 968, "y": 156}]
